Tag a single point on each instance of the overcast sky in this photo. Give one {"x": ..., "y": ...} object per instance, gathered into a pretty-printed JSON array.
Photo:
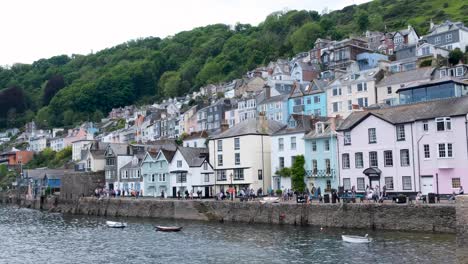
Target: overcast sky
[{"x": 33, "y": 29}]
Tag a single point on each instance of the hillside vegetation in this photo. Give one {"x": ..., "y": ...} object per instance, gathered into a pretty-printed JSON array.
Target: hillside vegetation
[{"x": 63, "y": 90}]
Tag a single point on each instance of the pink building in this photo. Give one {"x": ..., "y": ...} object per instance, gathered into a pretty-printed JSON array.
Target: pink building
[{"x": 408, "y": 148}]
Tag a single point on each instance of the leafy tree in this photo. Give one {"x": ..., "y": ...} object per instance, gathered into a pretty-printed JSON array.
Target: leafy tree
[
  {"x": 362, "y": 20},
  {"x": 284, "y": 172},
  {"x": 97, "y": 116},
  {"x": 170, "y": 83},
  {"x": 298, "y": 174},
  {"x": 455, "y": 56},
  {"x": 303, "y": 39},
  {"x": 54, "y": 84}
]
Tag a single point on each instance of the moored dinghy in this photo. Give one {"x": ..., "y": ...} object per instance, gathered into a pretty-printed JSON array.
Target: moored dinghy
[
  {"x": 116, "y": 224},
  {"x": 168, "y": 228},
  {"x": 356, "y": 239}
]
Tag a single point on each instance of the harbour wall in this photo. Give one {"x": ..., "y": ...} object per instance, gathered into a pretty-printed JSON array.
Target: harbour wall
[
  {"x": 462, "y": 228},
  {"x": 433, "y": 218}
]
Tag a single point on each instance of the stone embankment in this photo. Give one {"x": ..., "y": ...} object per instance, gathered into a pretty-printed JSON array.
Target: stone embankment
[{"x": 437, "y": 218}]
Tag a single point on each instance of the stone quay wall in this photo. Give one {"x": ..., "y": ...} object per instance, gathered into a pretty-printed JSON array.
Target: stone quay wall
[
  {"x": 462, "y": 228},
  {"x": 433, "y": 218}
]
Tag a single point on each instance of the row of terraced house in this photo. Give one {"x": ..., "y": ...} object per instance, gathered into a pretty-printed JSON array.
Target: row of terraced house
[{"x": 385, "y": 109}]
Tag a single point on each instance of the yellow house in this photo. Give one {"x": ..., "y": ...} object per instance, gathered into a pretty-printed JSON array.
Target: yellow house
[{"x": 240, "y": 155}]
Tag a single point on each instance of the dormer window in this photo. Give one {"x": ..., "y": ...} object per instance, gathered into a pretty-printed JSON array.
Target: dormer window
[
  {"x": 443, "y": 73},
  {"x": 292, "y": 123},
  {"x": 459, "y": 71},
  {"x": 319, "y": 127}
]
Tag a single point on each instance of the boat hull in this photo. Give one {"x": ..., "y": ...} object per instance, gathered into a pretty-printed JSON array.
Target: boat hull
[
  {"x": 112, "y": 224},
  {"x": 356, "y": 239},
  {"x": 168, "y": 228}
]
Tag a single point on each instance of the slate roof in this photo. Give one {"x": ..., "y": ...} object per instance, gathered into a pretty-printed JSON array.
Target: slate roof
[
  {"x": 118, "y": 148},
  {"x": 97, "y": 154},
  {"x": 273, "y": 99},
  {"x": 407, "y": 76},
  {"x": 169, "y": 154},
  {"x": 328, "y": 132},
  {"x": 193, "y": 156},
  {"x": 303, "y": 124},
  {"x": 130, "y": 165},
  {"x": 250, "y": 127},
  {"x": 411, "y": 112}
]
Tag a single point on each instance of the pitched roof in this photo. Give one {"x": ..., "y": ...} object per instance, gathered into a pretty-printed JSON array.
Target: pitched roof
[
  {"x": 411, "y": 112},
  {"x": 278, "y": 98},
  {"x": 303, "y": 124},
  {"x": 97, "y": 154},
  {"x": 194, "y": 156},
  {"x": 249, "y": 127},
  {"x": 419, "y": 74},
  {"x": 119, "y": 148},
  {"x": 169, "y": 154}
]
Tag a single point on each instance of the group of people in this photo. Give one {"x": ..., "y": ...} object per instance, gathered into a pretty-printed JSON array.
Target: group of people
[
  {"x": 245, "y": 194},
  {"x": 374, "y": 194},
  {"x": 101, "y": 192},
  {"x": 188, "y": 195}
]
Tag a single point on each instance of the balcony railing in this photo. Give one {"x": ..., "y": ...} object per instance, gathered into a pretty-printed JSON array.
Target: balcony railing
[{"x": 320, "y": 173}]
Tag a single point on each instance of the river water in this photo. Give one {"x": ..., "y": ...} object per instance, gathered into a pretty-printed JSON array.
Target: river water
[{"x": 31, "y": 236}]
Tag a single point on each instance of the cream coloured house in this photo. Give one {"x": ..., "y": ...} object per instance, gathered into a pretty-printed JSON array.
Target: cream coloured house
[
  {"x": 352, "y": 91},
  {"x": 240, "y": 156}
]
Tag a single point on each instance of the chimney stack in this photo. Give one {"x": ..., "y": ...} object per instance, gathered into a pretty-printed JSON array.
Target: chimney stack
[
  {"x": 267, "y": 91},
  {"x": 224, "y": 127},
  {"x": 262, "y": 125}
]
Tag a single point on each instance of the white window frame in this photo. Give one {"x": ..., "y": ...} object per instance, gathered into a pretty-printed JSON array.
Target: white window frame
[
  {"x": 280, "y": 144},
  {"x": 361, "y": 183},
  {"x": 372, "y": 133},
  {"x": 427, "y": 151},
  {"x": 387, "y": 184},
  {"x": 400, "y": 130},
  {"x": 388, "y": 161},
  {"x": 447, "y": 150},
  {"x": 236, "y": 158},
  {"x": 447, "y": 122},
  {"x": 405, "y": 160},
  {"x": 408, "y": 182},
  {"x": 347, "y": 183},
  {"x": 347, "y": 138},
  {"x": 371, "y": 160},
  {"x": 425, "y": 126},
  {"x": 293, "y": 143},
  {"x": 236, "y": 143},
  {"x": 359, "y": 162},
  {"x": 345, "y": 161}
]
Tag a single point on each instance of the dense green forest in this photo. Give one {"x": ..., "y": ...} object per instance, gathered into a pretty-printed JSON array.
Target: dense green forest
[{"x": 63, "y": 90}]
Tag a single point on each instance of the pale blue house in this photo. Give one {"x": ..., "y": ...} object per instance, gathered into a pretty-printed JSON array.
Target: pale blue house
[
  {"x": 321, "y": 153},
  {"x": 275, "y": 108},
  {"x": 308, "y": 99},
  {"x": 155, "y": 172}
]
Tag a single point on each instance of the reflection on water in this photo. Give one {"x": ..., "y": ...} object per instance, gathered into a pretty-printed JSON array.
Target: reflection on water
[{"x": 30, "y": 236}]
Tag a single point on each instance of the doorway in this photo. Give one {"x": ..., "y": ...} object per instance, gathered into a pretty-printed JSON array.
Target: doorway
[{"x": 427, "y": 184}]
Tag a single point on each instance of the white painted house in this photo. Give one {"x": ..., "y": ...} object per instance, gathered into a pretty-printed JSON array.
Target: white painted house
[{"x": 190, "y": 171}]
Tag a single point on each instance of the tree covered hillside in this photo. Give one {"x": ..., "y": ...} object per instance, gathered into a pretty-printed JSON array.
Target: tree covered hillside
[{"x": 63, "y": 90}]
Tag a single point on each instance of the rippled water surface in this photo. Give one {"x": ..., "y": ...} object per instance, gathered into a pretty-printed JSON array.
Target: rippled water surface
[{"x": 30, "y": 236}]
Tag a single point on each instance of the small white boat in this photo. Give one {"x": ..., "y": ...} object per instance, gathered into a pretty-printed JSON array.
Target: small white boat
[
  {"x": 116, "y": 224},
  {"x": 168, "y": 228},
  {"x": 356, "y": 239}
]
